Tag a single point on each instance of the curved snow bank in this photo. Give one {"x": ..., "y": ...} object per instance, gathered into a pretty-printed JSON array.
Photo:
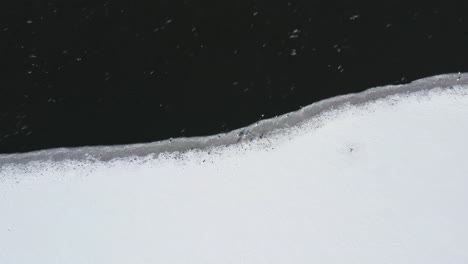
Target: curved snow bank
[
  {"x": 379, "y": 177},
  {"x": 249, "y": 133}
]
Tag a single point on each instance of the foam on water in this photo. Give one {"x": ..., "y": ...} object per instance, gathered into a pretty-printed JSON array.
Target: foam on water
[{"x": 375, "y": 177}]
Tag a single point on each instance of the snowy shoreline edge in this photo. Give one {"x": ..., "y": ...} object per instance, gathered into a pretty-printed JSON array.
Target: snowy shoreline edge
[{"x": 251, "y": 132}]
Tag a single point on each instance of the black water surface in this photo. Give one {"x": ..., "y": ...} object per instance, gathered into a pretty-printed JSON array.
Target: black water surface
[{"x": 82, "y": 72}]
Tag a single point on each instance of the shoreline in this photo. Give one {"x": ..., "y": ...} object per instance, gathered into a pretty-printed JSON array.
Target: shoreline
[{"x": 248, "y": 133}]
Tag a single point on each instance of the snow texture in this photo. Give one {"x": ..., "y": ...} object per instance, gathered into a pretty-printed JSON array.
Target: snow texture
[{"x": 376, "y": 177}]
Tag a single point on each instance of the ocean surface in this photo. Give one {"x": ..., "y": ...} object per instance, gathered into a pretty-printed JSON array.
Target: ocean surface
[{"x": 80, "y": 73}]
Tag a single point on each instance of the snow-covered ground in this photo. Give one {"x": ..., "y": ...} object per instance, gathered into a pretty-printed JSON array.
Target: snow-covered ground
[{"x": 380, "y": 182}]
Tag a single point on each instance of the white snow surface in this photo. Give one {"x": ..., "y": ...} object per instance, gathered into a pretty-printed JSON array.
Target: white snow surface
[{"x": 383, "y": 182}]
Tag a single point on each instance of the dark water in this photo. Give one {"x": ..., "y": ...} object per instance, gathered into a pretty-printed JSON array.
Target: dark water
[{"x": 96, "y": 72}]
